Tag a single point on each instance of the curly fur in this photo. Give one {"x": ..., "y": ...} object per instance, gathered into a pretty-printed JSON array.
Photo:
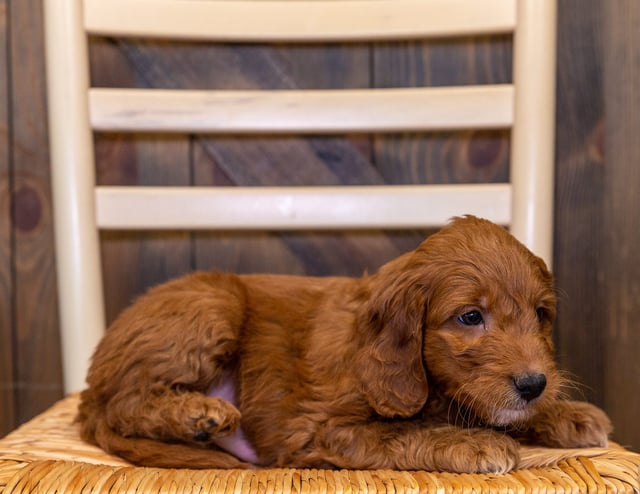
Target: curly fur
[{"x": 413, "y": 367}]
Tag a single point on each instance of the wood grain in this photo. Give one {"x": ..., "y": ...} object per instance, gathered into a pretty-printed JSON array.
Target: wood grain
[
  {"x": 621, "y": 237},
  {"x": 135, "y": 261},
  {"x": 7, "y": 402},
  {"x": 443, "y": 157},
  {"x": 37, "y": 349},
  {"x": 264, "y": 161},
  {"x": 322, "y": 160},
  {"x": 579, "y": 218},
  {"x": 300, "y": 21},
  {"x": 302, "y": 112}
]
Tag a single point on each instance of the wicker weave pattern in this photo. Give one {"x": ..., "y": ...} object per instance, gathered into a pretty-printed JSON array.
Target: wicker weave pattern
[{"x": 46, "y": 455}]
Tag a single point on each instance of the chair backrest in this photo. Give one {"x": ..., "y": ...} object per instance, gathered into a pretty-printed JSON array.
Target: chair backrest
[{"x": 76, "y": 110}]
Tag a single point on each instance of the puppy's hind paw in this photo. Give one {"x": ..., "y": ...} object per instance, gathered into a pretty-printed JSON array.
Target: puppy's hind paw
[
  {"x": 206, "y": 428},
  {"x": 217, "y": 418}
]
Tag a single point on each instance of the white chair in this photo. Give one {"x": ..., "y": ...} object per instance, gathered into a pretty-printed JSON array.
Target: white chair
[
  {"x": 75, "y": 110},
  {"x": 46, "y": 452}
]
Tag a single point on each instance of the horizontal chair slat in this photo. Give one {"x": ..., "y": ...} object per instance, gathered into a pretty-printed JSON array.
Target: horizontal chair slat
[
  {"x": 291, "y": 208},
  {"x": 298, "y": 20},
  {"x": 307, "y": 111}
]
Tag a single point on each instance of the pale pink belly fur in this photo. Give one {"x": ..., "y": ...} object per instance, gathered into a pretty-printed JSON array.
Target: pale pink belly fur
[{"x": 236, "y": 443}]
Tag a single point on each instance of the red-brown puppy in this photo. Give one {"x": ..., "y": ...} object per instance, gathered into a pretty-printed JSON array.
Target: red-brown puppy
[{"x": 435, "y": 362}]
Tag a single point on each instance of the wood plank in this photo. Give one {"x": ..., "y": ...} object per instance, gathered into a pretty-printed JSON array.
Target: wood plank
[
  {"x": 302, "y": 67},
  {"x": 134, "y": 261},
  {"x": 37, "y": 356},
  {"x": 580, "y": 224},
  {"x": 7, "y": 401},
  {"x": 318, "y": 253},
  {"x": 238, "y": 252},
  {"x": 621, "y": 267},
  {"x": 316, "y": 20},
  {"x": 443, "y": 157},
  {"x": 323, "y": 160},
  {"x": 298, "y": 208},
  {"x": 228, "y": 160},
  {"x": 302, "y": 112}
]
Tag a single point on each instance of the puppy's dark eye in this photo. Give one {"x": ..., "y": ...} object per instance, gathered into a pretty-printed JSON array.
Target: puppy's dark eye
[
  {"x": 542, "y": 314},
  {"x": 471, "y": 318}
]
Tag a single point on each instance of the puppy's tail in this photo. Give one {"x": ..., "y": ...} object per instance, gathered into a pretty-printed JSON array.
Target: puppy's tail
[{"x": 153, "y": 453}]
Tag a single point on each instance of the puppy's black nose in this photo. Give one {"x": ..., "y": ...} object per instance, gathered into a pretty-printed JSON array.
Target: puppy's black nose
[{"x": 530, "y": 386}]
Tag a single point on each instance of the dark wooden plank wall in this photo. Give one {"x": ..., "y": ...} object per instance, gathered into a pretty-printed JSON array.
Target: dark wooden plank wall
[
  {"x": 597, "y": 235},
  {"x": 7, "y": 407},
  {"x": 36, "y": 346},
  {"x": 621, "y": 267},
  {"x": 579, "y": 215}
]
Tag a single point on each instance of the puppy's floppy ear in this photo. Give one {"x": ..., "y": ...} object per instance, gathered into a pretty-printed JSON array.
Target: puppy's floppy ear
[{"x": 390, "y": 357}]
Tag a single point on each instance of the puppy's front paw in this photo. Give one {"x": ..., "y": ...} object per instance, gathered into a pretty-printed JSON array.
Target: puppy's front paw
[
  {"x": 477, "y": 451},
  {"x": 572, "y": 424}
]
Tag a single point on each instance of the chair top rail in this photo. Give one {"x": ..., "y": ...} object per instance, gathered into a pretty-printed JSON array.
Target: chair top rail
[
  {"x": 300, "y": 112},
  {"x": 298, "y": 20},
  {"x": 295, "y": 208}
]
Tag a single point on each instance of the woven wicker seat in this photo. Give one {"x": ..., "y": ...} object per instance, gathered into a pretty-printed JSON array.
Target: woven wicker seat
[{"x": 47, "y": 455}]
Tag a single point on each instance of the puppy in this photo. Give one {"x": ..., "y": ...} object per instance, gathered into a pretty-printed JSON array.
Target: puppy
[{"x": 442, "y": 360}]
